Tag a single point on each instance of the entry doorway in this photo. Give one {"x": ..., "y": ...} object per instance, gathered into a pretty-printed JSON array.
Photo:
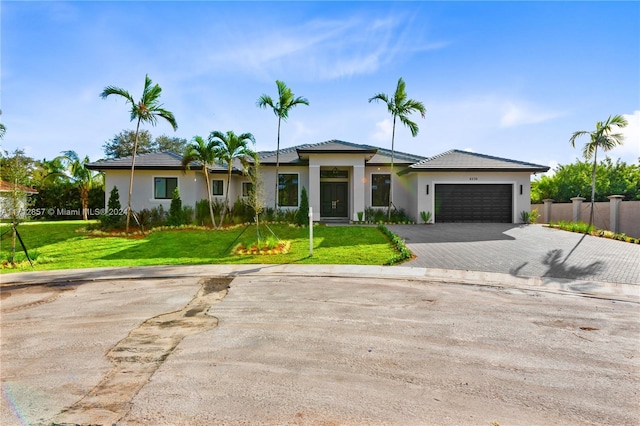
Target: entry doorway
[{"x": 334, "y": 198}]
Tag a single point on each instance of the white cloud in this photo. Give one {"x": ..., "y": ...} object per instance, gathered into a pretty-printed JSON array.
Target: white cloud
[
  {"x": 301, "y": 133},
  {"x": 629, "y": 151},
  {"x": 519, "y": 113},
  {"x": 552, "y": 168},
  {"x": 321, "y": 49},
  {"x": 383, "y": 131}
]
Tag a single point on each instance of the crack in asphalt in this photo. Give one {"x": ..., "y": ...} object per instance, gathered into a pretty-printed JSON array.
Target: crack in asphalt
[{"x": 137, "y": 357}]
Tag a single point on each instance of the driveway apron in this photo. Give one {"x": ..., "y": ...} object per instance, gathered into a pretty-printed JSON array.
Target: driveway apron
[{"x": 521, "y": 250}]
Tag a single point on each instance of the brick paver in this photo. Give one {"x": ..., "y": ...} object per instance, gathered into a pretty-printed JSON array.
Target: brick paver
[{"x": 521, "y": 250}]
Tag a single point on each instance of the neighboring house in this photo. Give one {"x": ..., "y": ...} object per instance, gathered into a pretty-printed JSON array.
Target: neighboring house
[
  {"x": 6, "y": 200},
  {"x": 342, "y": 179}
]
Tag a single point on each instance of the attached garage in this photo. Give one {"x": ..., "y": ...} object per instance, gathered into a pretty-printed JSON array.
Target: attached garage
[
  {"x": 461, "y": 186},
  {"x": 491, "y": 203}
]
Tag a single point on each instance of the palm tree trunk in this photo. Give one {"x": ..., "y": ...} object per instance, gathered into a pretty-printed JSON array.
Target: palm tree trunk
[
  {"x": 226, "y": 198},
  {"x": 277, "y": 168},
  {"x": 593, "y": 186},
  {"x": 133, "y": 162},
  {"x": 84, "y": 200},
  {"x": 393, "y": 136},
  {"x": 206, "y": 176}
]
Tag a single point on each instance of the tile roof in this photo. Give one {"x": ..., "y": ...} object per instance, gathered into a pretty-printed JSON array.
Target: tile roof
[
  {"x": 299, "y": 154},
  {"x": 165, "y": 160},
  {"x": 455, "y": 160},
  {"x": 8, "y": 187}
]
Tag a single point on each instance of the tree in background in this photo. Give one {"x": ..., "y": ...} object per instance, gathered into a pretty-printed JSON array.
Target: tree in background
[
  {"x": 573, "y": 180},
  {"x": 147, "y": 110},
  {"x": 281, "y": 107},
  {"x": 230, "y": 147},
  {"x": 400, "y": 108},
  {"x": 604, "y": 139},
  {"x": 82, "y": 178},
  {"x": 16, "y": 170},
  {"x": 3, "y": 129},
  {"x": 170, "y": 143},
  {"x": 122, "y": 144}
]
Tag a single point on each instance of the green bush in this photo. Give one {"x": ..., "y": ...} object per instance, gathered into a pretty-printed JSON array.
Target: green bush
[
  {"x": 403, "y": 252},
  {"x": 425, "y": 216},
  {"x": 202, "y": 213},
  {"x": 188, "y": 215},
  {"x": 529, "y": 217},
  {"x": 144, "y": 218},
  {"x": 302, "y": 214},
  {"x": 175, "y": 217},
  {"x": 158, "y": 217},
  {"x": 242, "y": 212},
  {"x": 375, "y": 215},
  {"x": 269, "y": 214},
  {"x": 112, "y": 219}
]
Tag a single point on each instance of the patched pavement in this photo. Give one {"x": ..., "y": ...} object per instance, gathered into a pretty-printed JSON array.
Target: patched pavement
[
  {"x": 336, "y": 344},
  {"x": 521, "y": 251},
  {"x": 295, "y": 344}
]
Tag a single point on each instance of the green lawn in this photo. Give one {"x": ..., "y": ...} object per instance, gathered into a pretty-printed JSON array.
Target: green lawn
[{"x": 60, "y": 245}]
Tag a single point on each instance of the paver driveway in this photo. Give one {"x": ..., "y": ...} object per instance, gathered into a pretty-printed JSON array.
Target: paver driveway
[{"x": 521, "y": 250}]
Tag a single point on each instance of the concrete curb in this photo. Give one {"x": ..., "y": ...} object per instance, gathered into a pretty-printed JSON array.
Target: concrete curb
[{"x": 601, "y": 290}]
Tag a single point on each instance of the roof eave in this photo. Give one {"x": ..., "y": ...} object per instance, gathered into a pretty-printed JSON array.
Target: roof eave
[{"x": 474, "y": 169}]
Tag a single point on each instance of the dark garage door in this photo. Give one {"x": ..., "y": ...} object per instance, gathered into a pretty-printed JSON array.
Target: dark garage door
[{"x": 474, "y": 203}]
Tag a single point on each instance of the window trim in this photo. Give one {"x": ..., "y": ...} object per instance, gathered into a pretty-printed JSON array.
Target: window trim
[
  {"x": 372, "y": 188},
  {"x": 297, "y": 174},
  {"x": 153, "y": 186},
  {"x": 222, "y": 187},
  {"x": 249, "y": 184}
]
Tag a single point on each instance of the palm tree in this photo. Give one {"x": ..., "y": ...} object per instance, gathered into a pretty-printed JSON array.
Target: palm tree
[
  {"x": 82, "y": 177},
  {"x": 205, "y": 153},
  {"x": 230, "y": 147},
  {"x": 3, "y": 129},
  {"x": 600, "y": 138},
  {"x": 400, "y": 108},
  {"x": 147, "y": 110},
  {"x": 281, "y": 108}
]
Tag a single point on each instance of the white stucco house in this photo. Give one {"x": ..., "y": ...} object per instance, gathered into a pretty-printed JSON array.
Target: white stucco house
[
  {"x": 7, "y": 205},
  {"x": 342, "y": 179}
]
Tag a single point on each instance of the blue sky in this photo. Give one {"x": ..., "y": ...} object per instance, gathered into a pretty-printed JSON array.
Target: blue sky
[{"x": 511, "y": 79}]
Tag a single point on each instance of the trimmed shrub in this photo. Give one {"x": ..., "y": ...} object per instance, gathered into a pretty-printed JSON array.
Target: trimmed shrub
[
  {"x": 175, "y": 217},
  {"x": 302, "y": 214}
]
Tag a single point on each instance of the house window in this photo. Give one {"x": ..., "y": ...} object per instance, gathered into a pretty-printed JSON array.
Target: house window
[
  {"x": 246, "y": 188},
  {"x": 217, "y": 187},
  {"x": 163, "y": 187},
  {"x": 288, "y": 190},
  {"x": 380, "y": 185}
]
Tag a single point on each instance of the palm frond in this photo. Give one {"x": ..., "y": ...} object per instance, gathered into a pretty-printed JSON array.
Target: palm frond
[
  {"x": 167, "y": 115},
  {"x": 113, "y": 90},
  {"x": 379, "y": 97},
  {"x": 265, "y": 101},
  {"x": 576, "y": 135},
  {"x": 413, "y": 127}
]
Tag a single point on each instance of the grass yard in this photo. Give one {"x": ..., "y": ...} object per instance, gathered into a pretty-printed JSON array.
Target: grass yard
[{"x": 62, "y": 245}]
